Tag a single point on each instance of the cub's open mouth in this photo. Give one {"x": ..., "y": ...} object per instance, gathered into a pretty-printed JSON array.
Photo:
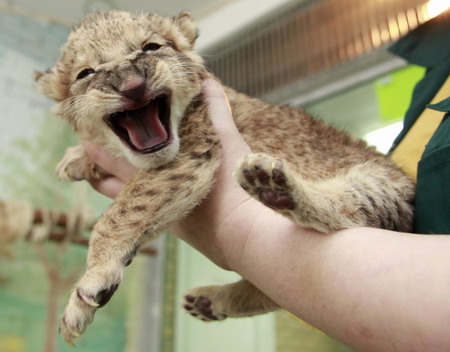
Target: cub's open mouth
[{"x": 145, "y": 129}]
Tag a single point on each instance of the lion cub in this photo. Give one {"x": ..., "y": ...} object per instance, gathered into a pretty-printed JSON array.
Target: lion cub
[{"x": 132, "y": 84}]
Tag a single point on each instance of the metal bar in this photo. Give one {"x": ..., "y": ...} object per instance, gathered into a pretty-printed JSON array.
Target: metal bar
[{"x": 312, "y": 37}]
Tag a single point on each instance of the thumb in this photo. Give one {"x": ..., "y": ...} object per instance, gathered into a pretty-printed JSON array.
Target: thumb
[{"x": 233, "y": 145}]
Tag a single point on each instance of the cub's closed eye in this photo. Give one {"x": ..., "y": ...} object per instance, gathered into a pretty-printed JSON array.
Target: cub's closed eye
[
  {"x": 86, "y": 72},
  {"x": 151, "y": 47}
]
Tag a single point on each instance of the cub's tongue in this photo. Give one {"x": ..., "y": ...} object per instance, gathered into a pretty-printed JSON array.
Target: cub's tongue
[{"x": 144, "y": 127}]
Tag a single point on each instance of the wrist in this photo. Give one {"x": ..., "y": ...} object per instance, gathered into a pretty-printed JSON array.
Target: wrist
[{"x": 277, "y": 243}]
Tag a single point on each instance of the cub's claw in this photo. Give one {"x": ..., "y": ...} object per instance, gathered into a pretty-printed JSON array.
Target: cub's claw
[
  {"x": 100, "y": 299},
  {"x": 87, "y": 298}
]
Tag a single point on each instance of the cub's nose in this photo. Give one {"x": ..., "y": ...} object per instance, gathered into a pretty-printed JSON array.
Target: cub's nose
[{"x": 133, "y": 88}]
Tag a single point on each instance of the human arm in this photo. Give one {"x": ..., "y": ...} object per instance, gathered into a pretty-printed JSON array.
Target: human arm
[{"x": 372, "y": 289}]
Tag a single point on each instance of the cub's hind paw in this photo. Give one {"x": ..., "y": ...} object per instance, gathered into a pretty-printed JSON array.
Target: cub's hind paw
[
  {"x": 202, "y": 308},
  {"x": 266, "y": 179}
]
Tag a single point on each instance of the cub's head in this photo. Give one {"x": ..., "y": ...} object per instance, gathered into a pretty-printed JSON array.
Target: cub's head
[{"x": 124, "y": 81}]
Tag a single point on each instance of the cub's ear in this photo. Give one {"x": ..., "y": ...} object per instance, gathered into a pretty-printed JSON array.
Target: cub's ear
[
  {"x": 47, "y": 83},
  {"x": 187, "y": 26}
]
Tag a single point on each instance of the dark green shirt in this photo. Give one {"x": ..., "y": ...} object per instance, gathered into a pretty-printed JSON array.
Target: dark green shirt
[{"x": 429, "y": 46}]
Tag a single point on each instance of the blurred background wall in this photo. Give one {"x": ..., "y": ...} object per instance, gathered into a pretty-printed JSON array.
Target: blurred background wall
[{"x": 328, "y": 56}]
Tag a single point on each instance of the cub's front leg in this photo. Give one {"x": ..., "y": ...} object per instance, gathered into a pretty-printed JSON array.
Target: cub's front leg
[
  {"x": 146, "y": 207},
  {"x": 76, "y": 166}
]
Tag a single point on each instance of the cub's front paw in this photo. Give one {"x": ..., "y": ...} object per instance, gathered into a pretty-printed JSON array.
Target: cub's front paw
[
  {"x": 205, "y": 308},
  {"x": 267, "y": 180},
  {"x": 76, "y": 166},
  {"x": 91, "y": 292}
]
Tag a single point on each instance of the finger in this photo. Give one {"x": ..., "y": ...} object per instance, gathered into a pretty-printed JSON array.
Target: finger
[
  {"x": 219, "y": 110},
  {"x": 110, "y": 186},
  {"x": 117, "y": 167}
]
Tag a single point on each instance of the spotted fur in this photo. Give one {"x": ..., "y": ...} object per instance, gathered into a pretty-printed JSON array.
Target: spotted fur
[{"x": 308, "y": 171}]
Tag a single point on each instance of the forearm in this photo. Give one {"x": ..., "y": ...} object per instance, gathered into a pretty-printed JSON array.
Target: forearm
[{"x": 372, "y": 289}]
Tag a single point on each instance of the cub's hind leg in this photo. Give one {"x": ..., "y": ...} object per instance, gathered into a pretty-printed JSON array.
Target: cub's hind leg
[
  {"x": 373, "y": 193},
  {"x": 239, "y": 299}
]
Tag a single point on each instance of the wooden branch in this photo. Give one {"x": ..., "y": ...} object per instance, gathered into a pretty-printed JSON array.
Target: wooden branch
[
  {"x": 60, "y": 221},
  {"x": 61, "y": 236},
  {"x": 82, "y": 241},
  {"x": 59, "y": 230}
]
